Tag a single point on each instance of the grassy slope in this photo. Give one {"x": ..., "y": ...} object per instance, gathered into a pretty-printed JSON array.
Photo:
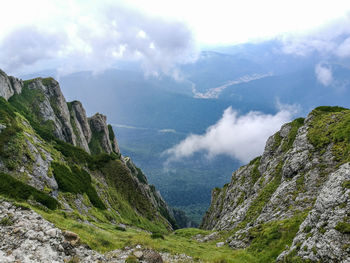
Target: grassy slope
[{"x": 90, "y": 170}]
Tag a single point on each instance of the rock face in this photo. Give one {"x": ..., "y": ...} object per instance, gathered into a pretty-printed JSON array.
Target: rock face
[
  {"x": 103, "y": 139},
  {"x": 52, "y": 172},
  {"x": 67, "y": 121},
  {"x": 299, "y": 180},
  {"x": 80, "y": 125},
  {"x": 9, "y": 85},
  {"x": 80, "y": 115},
  {"x": 54, "y": 108}
]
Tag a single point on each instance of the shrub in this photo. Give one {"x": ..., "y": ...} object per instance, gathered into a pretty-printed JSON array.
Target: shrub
[
  {"x": 17, "y": 190},
  {"x": 343, "y": 227},
  {"x": 157, "y": 236},
  {"x": 6, "y": 221},
  {"x": 76, "y": 180},
  {"x": 330, "y": 109},
  {"x": 346, "y": 184},
  {"x": 132, "y": 259},
  {"x": 307, "y": 229}
]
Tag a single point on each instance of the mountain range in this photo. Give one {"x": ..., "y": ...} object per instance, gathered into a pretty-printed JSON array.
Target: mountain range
[{"x": 68, "y": 194}]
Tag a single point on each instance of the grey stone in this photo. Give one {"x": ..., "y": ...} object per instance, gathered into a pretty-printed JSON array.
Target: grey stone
[
  {"x": 138, "y": 254},
  {"x": 220, "y": 244},
  {"x": 98, "y": 124},
  {"x": 151, "y": 256}
]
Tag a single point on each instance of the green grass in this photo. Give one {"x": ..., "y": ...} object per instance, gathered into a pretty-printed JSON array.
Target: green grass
[
  {"x": 270, "y": 239},
  {"x": 13, "y": 188},
  {"x": 6, "y": 221},
  {"x": 131, "y": 259},
  {"x": 289, "y": 140},
  {"x": 74, "y": 179},
  {"x": 295, "y": 125},
  {"x": 118, "y": 176},
  {"x": 277, "y": 141},
  {"x": 95, "y": 142},
  {"x": 346, "y": 184},
  {"x": 331, "y": 125},
  {"x": 104, "y": 237},
  {"x": 157, "y": 235},
  {"x": 264, "y": 196},
  {"x": 343, "y": 227},
  {"x": 255, "y": 174}
]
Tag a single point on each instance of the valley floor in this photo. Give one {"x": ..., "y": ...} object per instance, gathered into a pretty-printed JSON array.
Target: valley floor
[{"x": 30, "y": 234}]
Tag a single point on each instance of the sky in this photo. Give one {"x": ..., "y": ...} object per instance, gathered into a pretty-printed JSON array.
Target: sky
[
  {"x": 76, "y": 35},
  {"x": 92, "y": 35},
  {"x": 223, "y": 22}
]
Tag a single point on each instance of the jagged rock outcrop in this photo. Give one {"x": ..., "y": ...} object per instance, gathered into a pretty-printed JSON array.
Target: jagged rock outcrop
[
  {"x": 80, "y": 114},
  {"x": 67, "y": 121},
  {"x": 299, "y": 185},
  {"x": 40, "y": 165},
  {"x": 9, "y": 85},
  {"x": 54, "y": 107},
  {"x": 80, "y": 125},
  {"x": 103, "y": 139}
]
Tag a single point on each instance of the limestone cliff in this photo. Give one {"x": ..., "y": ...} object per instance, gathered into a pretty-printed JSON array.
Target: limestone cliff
[
  {"x": 53, "y": 156},
  {"x": 102, "y": 139},
  {"x": 297, "y": 194},
  {"x": 9, "y": 85},
  {"x": 44, "y": 101}
]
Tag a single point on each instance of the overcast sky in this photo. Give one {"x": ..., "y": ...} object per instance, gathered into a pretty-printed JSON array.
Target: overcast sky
[{"x": 77, "y": 35}]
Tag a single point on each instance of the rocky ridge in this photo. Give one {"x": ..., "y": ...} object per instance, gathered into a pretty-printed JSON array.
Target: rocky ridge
[
  {"x": 299, "y": 186},
  {"x": 54, "y": 157}
]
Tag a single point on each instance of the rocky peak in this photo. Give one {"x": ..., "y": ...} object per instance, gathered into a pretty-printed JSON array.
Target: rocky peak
[
  {"x": 67, "y": 121},
  {"x": 103, "y": 139},
  {"x": 9, "y": 85},
  {"x": 80, "y": 114},
  {"x": 53, "y": 106}
]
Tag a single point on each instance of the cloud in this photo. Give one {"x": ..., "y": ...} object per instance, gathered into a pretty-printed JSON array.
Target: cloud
[
  {"x": 329, "y": 40},
  {"x": 324, "y": 74},
  {"x": 343, "y": 50},
  {"x": 28, "y": 45},
  {"x": 95, "y": 37},
  {"x": 241, "y": 137}
]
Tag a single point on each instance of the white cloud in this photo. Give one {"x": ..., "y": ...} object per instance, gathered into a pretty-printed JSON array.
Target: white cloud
[
  {"x": 343, "y": 49},
  {"x": 328, "y": 40},
  {"x": 93, "y": 36},
  {"x": 241, "y": 137},
  {"x": 324, "y": 74}
]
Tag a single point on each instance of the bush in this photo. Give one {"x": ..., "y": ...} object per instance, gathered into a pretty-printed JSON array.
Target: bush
[
  {"x": 132, "y": 259},
  {"x": 330, "y": 109},
  {"x": 73, "y": 153},
  {"x": 157, "y": 236},
  {"x": 343, "y": 227},
  {"x": 17, "y": 190},
  {"x": 6, "y": 221},
  {"x": 76, "y": 180}
]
